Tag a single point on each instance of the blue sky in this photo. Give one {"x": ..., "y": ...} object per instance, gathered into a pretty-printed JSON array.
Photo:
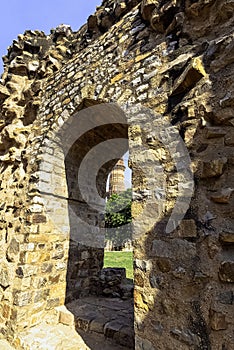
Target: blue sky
[
  {"x": 19, "y": 15},
  {"x": 127, "y": 174}
]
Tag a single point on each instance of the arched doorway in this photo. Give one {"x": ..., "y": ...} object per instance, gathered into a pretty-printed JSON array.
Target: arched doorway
[{"x": 89, "y": 156}]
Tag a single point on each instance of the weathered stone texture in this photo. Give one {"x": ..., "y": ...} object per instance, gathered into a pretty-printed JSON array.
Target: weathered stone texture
[{"x": 176, "y": 58}]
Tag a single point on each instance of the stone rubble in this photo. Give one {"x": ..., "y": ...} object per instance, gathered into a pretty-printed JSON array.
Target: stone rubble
[{"x": 113, "y": 283}]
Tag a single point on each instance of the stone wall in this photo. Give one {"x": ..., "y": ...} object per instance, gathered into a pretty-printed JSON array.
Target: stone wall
[{"x": 175, "y": 58}]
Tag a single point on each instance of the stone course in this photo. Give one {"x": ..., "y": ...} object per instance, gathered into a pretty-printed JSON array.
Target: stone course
[{"x": 176, "y": 58}]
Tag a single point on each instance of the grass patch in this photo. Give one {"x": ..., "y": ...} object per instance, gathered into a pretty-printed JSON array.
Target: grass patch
[{"x": 120, "y": 259}]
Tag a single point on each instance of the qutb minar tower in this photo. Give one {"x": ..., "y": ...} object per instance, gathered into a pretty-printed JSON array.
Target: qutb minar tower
[{"x": 116, "y": 184}]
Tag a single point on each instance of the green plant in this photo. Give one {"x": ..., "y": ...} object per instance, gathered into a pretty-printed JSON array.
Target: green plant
[{"x": 118, "y": 217}]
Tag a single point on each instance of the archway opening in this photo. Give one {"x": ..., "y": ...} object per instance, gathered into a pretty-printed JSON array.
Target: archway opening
[
  {"x": 88, "y": 163},
  {"x": 118, "y": 219}
]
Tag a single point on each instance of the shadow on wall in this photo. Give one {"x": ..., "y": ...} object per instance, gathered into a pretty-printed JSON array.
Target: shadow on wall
[
  {"x": 182, "y": 297},
  {"x": 89, "y": 158}
]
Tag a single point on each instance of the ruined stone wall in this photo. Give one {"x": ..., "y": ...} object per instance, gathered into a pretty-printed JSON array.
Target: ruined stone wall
[{"x": 175, "y": 58}]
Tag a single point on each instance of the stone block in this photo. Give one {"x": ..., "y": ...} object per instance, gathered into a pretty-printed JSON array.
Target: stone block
[
  {"x": 223, "y": 196},
  {"x": 5, "y": 276},
  {"x": 226, "y": 271},
  {"x": 148, "y": 299},
  {"x": 217, "y": 321},
  {"x": 229, "y": 138},
  {"x": 97, "y": 325},
  {"x": 213, "y": 168},
  {"x": 4, "y": 93},
  {"x": 227, "y": 237},
  {"x": 186, "y": 336},
  {"x": 54, "y": 278},
  {"x": 53, "y": 302},
  {"x": 226, "y": 298},
  {"x": 13, "y": 250},
  {"x": 144, "y": 265},
  {"x": 46, "y": 267},
  {"x": 138, "y": 278},
  {"x": 143, "y": 344},
  {"x": 29, "y": 257},
  {"x": 65, "y": 316},
  {"x": 57, "y": 254},
  {"x": 164, "y": 264},
  {"x": 57, "y": 290},
  {"x": 39, "y": 219},
  {"x": 83, "y": 321},
  {"x": 138, "y": 300},
  {"x": 125, "y": 337},
  {"x": 26, "y": 270},
  {"x": 111, "y": 328},
  {"x": 214, "y": 132},
  {"x": 174, "y": 249},
  {"x": 22, "y": 298},
  {"x": 187, "y": 229},
  {"x": 41, "y": 295},
  {"x": 154, "y": 281},
  {"x": 189, "y": 78}
]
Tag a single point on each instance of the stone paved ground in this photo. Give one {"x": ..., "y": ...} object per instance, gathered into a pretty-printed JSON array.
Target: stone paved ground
[
  {"x": 101, "y": 324},
  {"x": 61, "y": 337},
  {"x": 111, "y": 317}
]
